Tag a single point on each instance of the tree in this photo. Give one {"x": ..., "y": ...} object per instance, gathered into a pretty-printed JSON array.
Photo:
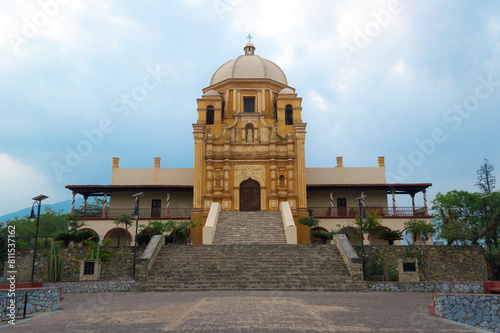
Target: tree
[
  {"x": 74, "y": 222},
  {"x": 372, "y": 222},
  {"x": 485, "y": 179},
  {"x": 125, "y": 220},
  {"x": 460, "y": 206},
  {"x": 421, "y": 228},
  {"x": 311, "y": 222}
]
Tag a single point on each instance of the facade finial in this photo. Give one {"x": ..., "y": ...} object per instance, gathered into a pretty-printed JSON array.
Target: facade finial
[{"x": 249, "y": 38}]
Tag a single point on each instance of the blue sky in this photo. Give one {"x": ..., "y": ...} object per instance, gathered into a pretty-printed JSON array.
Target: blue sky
[{"x": 415, "y": 81}]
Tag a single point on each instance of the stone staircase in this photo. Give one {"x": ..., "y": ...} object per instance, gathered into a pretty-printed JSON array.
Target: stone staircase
[
  {"x": 250, "y": 228},
  {"x": 249, "y": 267}
]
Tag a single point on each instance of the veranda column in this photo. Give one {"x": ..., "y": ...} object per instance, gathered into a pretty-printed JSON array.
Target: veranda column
[
  {"x": 412, "y": 195},
  {"x": 394, "y": 212},
  {"x": 73, "y": 203},
  {"x": 85, "y": 197},
  {"x": 425, "y": 201},
  {"x": 331, "y": 203},
  {"x": 105, "y": 199},
  {"x": 167, "y": 210}
]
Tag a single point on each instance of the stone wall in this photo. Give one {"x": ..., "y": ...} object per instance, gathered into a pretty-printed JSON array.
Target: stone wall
[
  {"x": 119, "y": 265},
  {"x": 480, "y": 311},
  {"x": 92, "y": 286},
  {"x": 442, "y": 287},
  {"x": 39, "y": 300},
  {"x": 440, "y": 263}
]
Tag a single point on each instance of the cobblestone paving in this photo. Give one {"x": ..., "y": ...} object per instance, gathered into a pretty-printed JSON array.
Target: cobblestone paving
[{"x": 240, "y": 312}]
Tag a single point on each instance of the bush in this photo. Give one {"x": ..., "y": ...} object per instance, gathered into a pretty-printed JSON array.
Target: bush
[
  {"x": 322, "y": 235},
  {"x": 66, "y": 237},
  {"x": 390, "y": 235}
]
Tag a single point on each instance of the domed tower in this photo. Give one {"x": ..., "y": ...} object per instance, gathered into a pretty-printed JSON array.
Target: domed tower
[{"x": 249, "y": 140}]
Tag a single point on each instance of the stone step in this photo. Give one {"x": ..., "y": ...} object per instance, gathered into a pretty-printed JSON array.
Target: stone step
[{"x": 249, "y": 267}]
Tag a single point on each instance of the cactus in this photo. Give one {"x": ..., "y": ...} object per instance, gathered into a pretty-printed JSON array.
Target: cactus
[
  {"x": 98, "y": 250},
  {"x": 55, "y": 263}
]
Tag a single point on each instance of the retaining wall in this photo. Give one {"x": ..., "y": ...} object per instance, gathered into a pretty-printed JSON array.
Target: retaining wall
[
  {"x": 71, "y": 287},
  {"x": 468, "y": 287},
  {"x": 39, "y": 300},
  {"x": 482, "y": 311}
]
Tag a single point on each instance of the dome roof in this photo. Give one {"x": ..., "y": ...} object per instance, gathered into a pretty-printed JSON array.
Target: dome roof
[
  {"x": 249, "y": 66},
  {"x": 286, "y": 91},
  {"x": 212, "y": 93}
]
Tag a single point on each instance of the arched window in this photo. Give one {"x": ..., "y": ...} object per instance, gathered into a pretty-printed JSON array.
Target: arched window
[
  {"x": 210, "y": 115},
  {"x": 288, "y": 115}
]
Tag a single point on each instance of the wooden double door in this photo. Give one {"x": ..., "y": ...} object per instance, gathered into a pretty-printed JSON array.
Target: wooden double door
[{"x": 250, "y": 196}]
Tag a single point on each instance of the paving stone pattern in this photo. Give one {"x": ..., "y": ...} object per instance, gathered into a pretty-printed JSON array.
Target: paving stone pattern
[
  {"x": 250, "y": 228},
  {"x": 250, "y": 267},
  {"x": 241, "y": 311},
  {"x": 482, "y": 311}
]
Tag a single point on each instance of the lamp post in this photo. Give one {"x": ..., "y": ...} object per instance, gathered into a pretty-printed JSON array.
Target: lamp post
[
  {"x": 488, "y": 240},
  {"x": 38, "y": 202},
  {"x": 136, "y": 216},
  {"x": 362, "y": 215}
]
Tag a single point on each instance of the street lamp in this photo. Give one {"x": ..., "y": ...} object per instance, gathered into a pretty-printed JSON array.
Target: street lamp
[
  {"x": 38, "y": 202},
  {"x": 488, "y": 240},
  {"x": 362, "y": 215},
  {"x": 136, "y": 216}
]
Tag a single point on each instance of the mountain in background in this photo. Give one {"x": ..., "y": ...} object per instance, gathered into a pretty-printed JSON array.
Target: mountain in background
[{"x": 64, "y": 206}]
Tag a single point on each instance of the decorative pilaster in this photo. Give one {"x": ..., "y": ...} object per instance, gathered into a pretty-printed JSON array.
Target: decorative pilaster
[
  {"x": 300, "y": 132},
  {"x": 198, "y": 135}
]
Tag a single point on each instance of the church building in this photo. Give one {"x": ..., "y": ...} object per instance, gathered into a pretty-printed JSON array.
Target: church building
[{"x": 249, "y": 155}]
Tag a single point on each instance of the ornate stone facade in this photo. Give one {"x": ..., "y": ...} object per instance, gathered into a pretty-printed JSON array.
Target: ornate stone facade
[{"x": 249, "y": 129}]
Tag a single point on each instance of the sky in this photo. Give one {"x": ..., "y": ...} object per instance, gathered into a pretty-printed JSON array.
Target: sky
[{"x": 84, "y": 81}]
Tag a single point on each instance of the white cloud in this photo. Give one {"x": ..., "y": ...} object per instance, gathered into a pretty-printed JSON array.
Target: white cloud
[
  {"x": 399, "y": 67},
  {"x": 19, "y": 183},
  {"x": 317, "y": 100}
]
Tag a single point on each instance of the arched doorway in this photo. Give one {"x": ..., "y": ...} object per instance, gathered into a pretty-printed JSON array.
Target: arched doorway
[{"x": 249, "y": 196}]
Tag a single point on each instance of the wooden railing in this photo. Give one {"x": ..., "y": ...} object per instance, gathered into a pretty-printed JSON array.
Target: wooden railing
[
  {"x": 158, "y": 213},
  {"x": 354, "y": 211}
]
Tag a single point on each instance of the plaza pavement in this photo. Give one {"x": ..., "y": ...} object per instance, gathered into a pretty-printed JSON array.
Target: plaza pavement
[{"x": 240, "y": 311}]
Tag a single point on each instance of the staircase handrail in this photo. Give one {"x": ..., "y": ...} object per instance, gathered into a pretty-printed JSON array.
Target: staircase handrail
[
  {"x": 288, "y": 223},
  {"x": 211, "y": 224}
]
